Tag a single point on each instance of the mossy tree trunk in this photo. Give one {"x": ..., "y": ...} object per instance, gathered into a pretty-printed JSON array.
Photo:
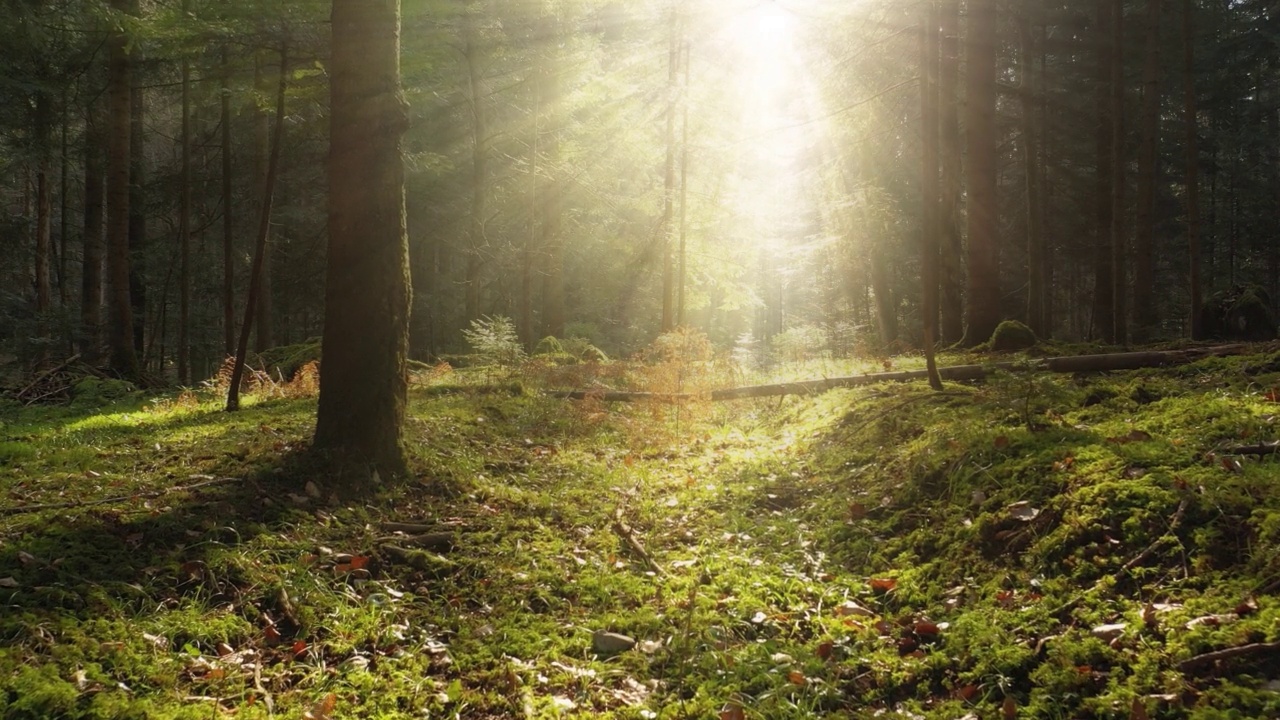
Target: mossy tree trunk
[{"x": 364, "y": 380}]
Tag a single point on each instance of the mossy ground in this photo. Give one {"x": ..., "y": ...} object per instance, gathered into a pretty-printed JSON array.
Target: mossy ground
[{"x": 879, "y": 552}]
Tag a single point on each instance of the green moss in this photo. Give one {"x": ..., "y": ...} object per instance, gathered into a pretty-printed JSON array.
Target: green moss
[{"x": 1011, "y": 336}]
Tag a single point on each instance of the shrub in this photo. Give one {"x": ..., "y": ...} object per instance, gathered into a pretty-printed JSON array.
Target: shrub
[{"x": 494, "y": 340}]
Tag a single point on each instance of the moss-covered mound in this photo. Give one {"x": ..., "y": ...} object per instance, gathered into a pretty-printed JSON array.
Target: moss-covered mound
[
  {"x": 1011, "y": 336},
  {"x": 284, "y": 361},
  {"x": 1241, "y": 313}
]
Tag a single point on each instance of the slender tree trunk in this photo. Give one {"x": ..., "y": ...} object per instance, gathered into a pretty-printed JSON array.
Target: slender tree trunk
[
  {"x": 64, "y": 204},
  {"x": 264, "y": 231},
  {"x": 531, "y": 239},
  {"x": 1193, "y": 164},
  {"x": 184, "y": 226},
  {"x": 479, "y": 163},
  {"x": 1119, "y": 248},
  {"x": 952, "y": 265},
  {"x": 552, "y": 196},
  {"x": 983, "y": 290},
  {"x": 1103, "y": 284},
  {"x": 123, "y": 353},
  {"x": 91, "y": 275},
  {"x": 264, "y": 336},
  {"x": 138, "y": 208},
  {"x": 929, "y": 185},
  {"x": 669, "y": 177},
  {"x": 1145, "y": 322},
  {"x": 367, "y": 294},
  {"x": 1031, "y": 173},
  {"x": 44, "y": 221},
  {"x": 683, "y": 264},
  {"x": 228, "y": 218}
]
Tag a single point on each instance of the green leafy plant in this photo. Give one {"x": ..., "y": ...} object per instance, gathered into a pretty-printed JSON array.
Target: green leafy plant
[{"x": 494, "y": 341}]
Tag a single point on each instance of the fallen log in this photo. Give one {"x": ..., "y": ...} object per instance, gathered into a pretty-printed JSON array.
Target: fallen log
[
  {"x": 1210, "y": 658},
  {"x": 1107, "y": 362}
]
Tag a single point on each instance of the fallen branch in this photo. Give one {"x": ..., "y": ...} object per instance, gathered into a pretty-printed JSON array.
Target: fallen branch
[
  {"x": 206, "y": 482},
  {"x": 435, "y": 541},
  {"x": 958, "y": 373},
  {"x": 1210, "y": 658},
  {"x": 1261, "y": 450},
  {"x": 628, "y": 536},
  {"x": 20, "y": 395}
]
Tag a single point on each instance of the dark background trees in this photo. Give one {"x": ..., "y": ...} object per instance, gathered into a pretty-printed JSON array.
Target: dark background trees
[{"x": 604, "y": 169}]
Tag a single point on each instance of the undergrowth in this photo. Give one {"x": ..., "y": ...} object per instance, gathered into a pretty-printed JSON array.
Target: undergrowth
[{"x": 1034, "y": 547}]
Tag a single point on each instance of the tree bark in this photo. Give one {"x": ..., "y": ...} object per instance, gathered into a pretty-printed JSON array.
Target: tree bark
[
  {"x": 1145, "y": 322},
  {"x": 983, "y": 287},
  {"x": 682, "y": 269},
  {"x": 123, "y": 357},
  {"x": 364, "y": 379},
  {"x": 91, "y": 274},
  {"x": 952, "y": 265},
  {"x": 1193, "y": 165},
  {"x": 553, "y": 187}
]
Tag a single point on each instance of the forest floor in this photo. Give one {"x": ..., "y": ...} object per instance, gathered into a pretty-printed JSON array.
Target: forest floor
[{"x": 1034, "y": 546}]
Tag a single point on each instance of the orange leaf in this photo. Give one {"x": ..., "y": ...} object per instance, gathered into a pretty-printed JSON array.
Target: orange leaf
[
  {"x": 883, "y": 584},
  {"x": 272, "y": 634},
  {"x": 323, "y": 709},
  {"x": 797, "y": 678},
  {"x": 358, "y": 562},
  {"x": 299, "y": 647},
  {"x": 1273, "y": 395},
  {"x": 968, "y": 692},
  {"x": 825, "y": 649},
  {"x": 1009, "y": 710},
  {"x": 924, "y": 627}
]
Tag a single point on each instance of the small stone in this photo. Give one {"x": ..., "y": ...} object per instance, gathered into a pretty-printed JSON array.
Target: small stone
[{"x": 608, "y": 643}]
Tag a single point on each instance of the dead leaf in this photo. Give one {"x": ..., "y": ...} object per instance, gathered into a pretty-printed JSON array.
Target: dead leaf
[
  {"x": 1138, "y": 711},
  {"x": 1212, "y": 620},
  {"x": 797, "y": 678},
  {"x": 1001, "y": 442},
  {"x": 1247, "y": 607},
  {"x": 850, "y": 607},
  {"x": 857, "y": 511},
  {"x": 1009, "y": 710},
  {"x": 825, "y": 649},
  {"x": 8, "y": 582},
  {"x": 926, "y": 628},
  {"x": 883, "y": 585},
  {"x": 967, "y": 692},
  {"x": 323, "y": 709}
]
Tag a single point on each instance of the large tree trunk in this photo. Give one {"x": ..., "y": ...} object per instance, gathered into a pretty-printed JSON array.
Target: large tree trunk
[
  {"x": 929, "y": 186},
  {"x": 364, "y": 378},
  {"x": 952, "y": 265},
  {"x": 91, "y": 274},
  {"x": 228, "y": 218},
  {"x": 983, "y": 289},
  {"x": 1031, "y": 173},
  {"x": 1145, "y": 322},
  {"x": 1193, "y": 165},
  {"x": 1103, "y": 325},
  {"x": 1119, "y": 248},
  {"x": 123, "y": 353}
]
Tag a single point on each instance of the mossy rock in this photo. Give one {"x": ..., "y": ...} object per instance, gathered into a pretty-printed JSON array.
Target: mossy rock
[
  {"x": 549, "y": 345},
  {"x": 1241, "y": 313},
  {"x": 582, "y": 349},
  {"x": 286, "y": 360},
  {"x": 1011, "y": 336},
  {"x": 100, "y": 391}
]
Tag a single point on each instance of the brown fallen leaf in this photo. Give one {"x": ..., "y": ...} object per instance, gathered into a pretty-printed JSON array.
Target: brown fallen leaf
[
  {"x": 1138, "y": 711},
  {"x": 323, "y": 709},
  {"x": 1009, "y": 709},
  {"x": 825, "y": 649},
  {"x": 797, "y": 678},
  {"x": 1001, "y": 442},
  {"x": 883, "y": 585},
  {"x": 732, "y": 711}
]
